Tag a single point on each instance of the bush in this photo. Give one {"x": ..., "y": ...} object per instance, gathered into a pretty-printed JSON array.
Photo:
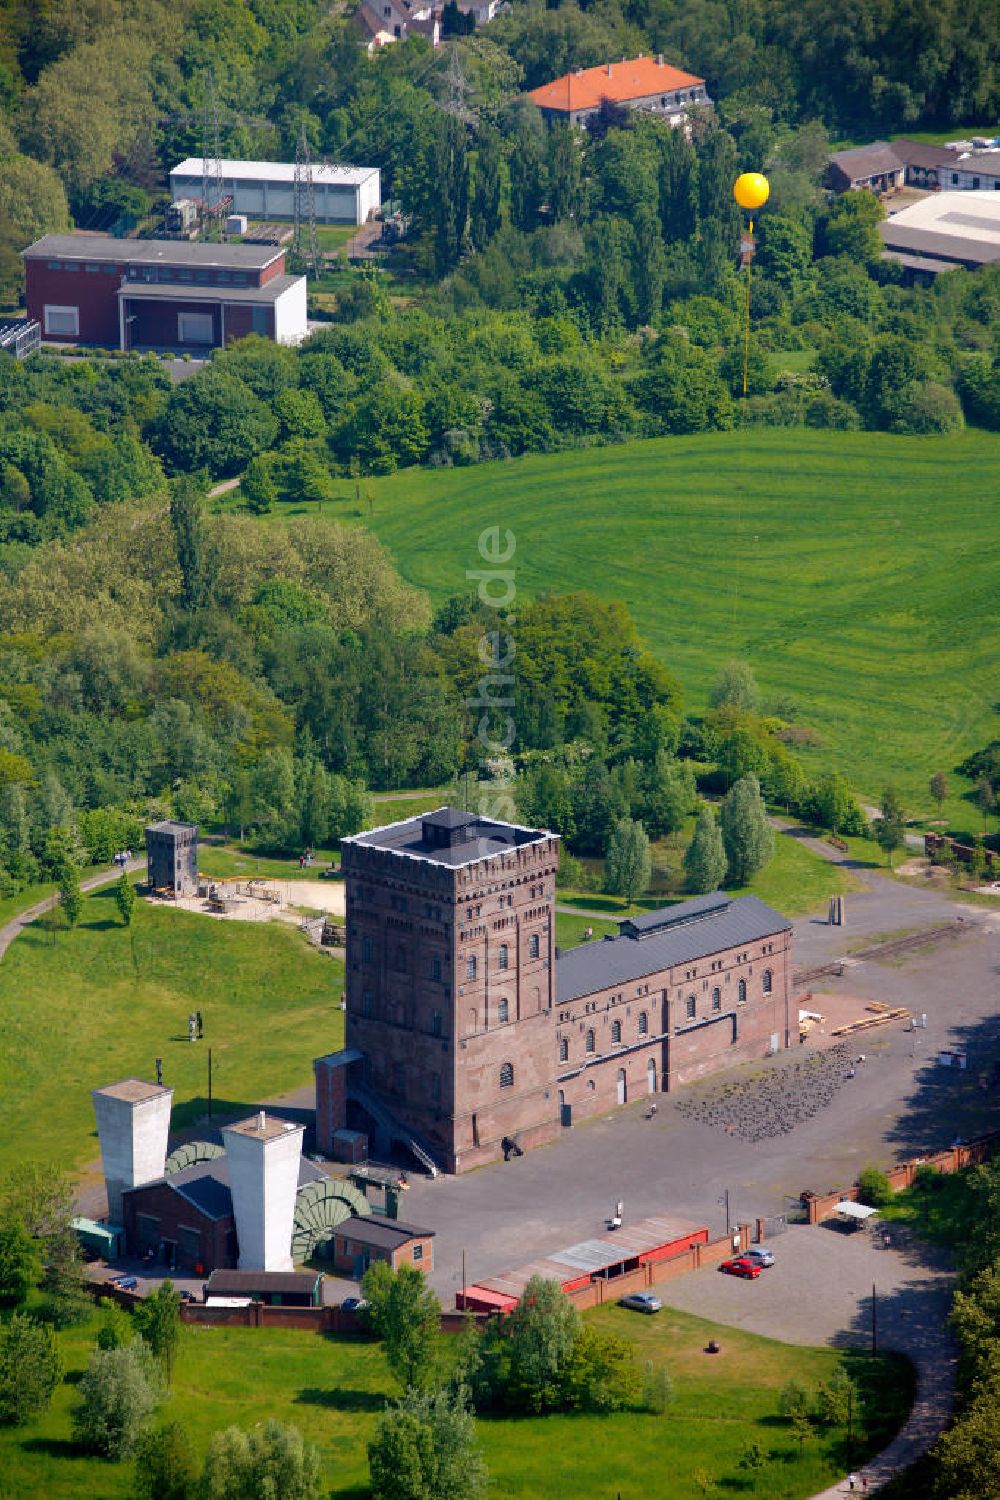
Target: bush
[
  {"x": 874, "y": 1188},
  {"x": 657, "y": 1389},
  {"x": 29, "y": 1369},
  {"x": 118, "y": 1394}
]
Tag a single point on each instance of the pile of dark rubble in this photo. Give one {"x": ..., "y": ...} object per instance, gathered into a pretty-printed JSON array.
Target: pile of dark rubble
[{"x": 773, "y": 1102}]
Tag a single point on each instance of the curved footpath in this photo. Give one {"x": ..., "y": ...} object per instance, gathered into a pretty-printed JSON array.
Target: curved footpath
[{"x": 10, "y": 930}]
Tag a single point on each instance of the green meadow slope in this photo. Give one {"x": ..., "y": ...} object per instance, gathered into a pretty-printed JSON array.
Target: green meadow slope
[{"x": 857, "y": 572}]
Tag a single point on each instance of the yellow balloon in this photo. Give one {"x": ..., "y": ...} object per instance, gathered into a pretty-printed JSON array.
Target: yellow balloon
[{"x": 751, "y": 190}]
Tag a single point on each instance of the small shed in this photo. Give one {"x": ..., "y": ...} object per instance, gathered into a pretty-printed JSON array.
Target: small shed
[
  {"x": 104, "y": 1240},
  {"x": 876, "y": 167},
  {"x": 276, "y": 1288},
  {"x": 359, "y": 1241},
  {"x": 172, "y": 857}
]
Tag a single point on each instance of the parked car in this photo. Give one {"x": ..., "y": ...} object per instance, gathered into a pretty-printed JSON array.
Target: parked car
[
  {"x": 740, "y": 1265},
  {"x": 643, "y": 1302},
  {"x": 188, "y": 1296},
  {"x": 354, "y": 1304},
  {"x": 126, "y": 1283},
  {"x": 760, "y": 1255}
]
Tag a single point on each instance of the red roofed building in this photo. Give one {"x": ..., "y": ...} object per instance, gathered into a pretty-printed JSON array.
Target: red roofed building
[{"x": 636, "y": 83}]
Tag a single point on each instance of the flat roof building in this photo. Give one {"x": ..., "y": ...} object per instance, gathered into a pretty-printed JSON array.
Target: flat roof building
[
  {"x": 94, "y": 289},
  {"x": 266, "y": 189},
  {"x": 945, "y": 231}
]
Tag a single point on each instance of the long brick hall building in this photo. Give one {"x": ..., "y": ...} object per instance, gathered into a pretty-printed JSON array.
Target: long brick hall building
[{"x": 467, "y": 1031}]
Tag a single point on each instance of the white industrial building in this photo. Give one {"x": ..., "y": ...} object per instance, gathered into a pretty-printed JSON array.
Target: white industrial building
[
  {"x": 263, "y": 1155},
  {"x": 133, "y": 1122},
  {"x": 266, "y": 189},
  {"x": 944, "y": 231}
]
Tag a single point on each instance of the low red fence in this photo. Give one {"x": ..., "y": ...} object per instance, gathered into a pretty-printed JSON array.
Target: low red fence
[{"x": 820, "y": 1206}]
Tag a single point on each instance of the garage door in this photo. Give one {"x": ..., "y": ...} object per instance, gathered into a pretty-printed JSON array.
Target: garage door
[{"x": 195, "y": 328}]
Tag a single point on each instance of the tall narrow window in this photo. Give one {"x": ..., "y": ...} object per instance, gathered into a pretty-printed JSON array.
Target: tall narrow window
[
  {"x": 503, "y": 1011},
  {"x": 767, "y": 982},
  {"x": 507, "y": 1075},
  {"x": 533, "y": 946},
  {"x": 716, "y": 999},
  {"x": 436, "y": 1023},
  {"x": 616, "y": 1031},
  {"x": 692, "y": 1006},
  {"x": 366, "y": 950},
  {"x": 435, "y": 968},
  {"x": 503, "y": 957},
  {"x": 741, "y": 992},
  {"x": 590, "y": 1041},
  {"x": 643, "y": 1022},
  {"x": 366, "y": 1003},
  {"x": 470, "y": 966},
  {"x": 563, "y": 1049}
]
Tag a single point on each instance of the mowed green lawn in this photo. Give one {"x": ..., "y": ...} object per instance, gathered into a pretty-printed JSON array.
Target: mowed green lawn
[
  {"x": 855, "y": 571},
  {"x": 333, "y": 1389},
  {"x": 88, "y": 1007}
]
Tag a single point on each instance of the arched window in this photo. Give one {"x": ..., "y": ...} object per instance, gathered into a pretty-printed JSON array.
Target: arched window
[
  {"x": 741, "y": 992},
  {"x": 643, "y": 1023},
  {"x": 716, "y": 999},
  {"x": 616, "y": 1031},
  {"x": 533, "y": 947},
  {"x": 692, "y": 1006},
  {"x": 503, "y": 959},
  {"x": 563, "y": 1049},
  {"x": 507, "y": 1075},
  {"x": 589, "y": 1045},
  {"x": 470, "y": 966},
  {"x": 503, "y": 1011},
  {"x": 767, "y": 982}
]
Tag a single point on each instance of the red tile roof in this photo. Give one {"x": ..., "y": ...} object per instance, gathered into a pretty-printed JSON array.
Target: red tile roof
[{"x": 635, "y": 78}]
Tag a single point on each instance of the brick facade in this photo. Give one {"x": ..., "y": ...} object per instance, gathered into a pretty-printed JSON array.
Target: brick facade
[
  {"x": 455, "y": 1018},
  {"x": 157, "y": 1214}
]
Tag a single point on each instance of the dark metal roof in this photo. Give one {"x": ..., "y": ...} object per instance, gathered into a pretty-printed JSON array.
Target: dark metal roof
[
  {"x": 867, "y": 161},
  {"x": 483, "y": 838},
  {"x": 599, "y": 966},
  {"x": 243, "y": 1283},
  {"x": 152, "y": 252},
  {"x": 382, "y": 1233},
  {"x": 185, "y": 291},
  {"x": 205, "y": 1185},
  {"x": 694, "y": 910},
  {"x": 919, "y": 154}
]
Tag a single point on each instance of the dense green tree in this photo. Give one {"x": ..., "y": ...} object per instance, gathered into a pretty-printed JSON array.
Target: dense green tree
[
  {"x": 19, "y": 1264},
  {"x": 705, "y": 857},
  {"x": 736, "y": 688},
  {"x": 834, "y": 806},
  {"x": 118, "y": 1394},
  {"x": 484, "y": 205},
  {"x": 70, "y": 895},
  {"x": 540, "y": 1337},
  {"x": 116, "y": 1327},
  {"x": 29, "y": 1369},
  {"x": 157, "y": 1320},
  {"x": 406, "y": 1315},
  {"x": 851, "y": 227},
  {"x": 164, "y": 1467},
  {"x": 451, "y": 199},
  {"x": 214, "y": 421},
  {"x": 190, "y": 541},
  {"x": 890, "y": 828},
  {"x": 273, "y": 1462},
  {"x": 425, "y": 1448},
  {"x": 746, "y": 833},
  {"x": 564, "y": 174},
  {"x": 628, "y": 864},
  {"x": 602, "y": 1374}
]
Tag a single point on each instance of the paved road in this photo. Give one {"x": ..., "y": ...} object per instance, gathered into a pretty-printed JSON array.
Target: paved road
[{"x": 24, "y": 919}]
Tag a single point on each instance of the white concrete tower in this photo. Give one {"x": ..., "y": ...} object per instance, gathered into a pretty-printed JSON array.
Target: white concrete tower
[
  {"x": 263, "y": 1156},
  {"x": 133, "y": 1122}
]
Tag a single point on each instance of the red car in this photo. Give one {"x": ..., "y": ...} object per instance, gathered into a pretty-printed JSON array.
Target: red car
[{"x": 741, "y": 1266}]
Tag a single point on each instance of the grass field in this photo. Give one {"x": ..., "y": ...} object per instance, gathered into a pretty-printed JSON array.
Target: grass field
[
  {"x": 855, "y": 571},
  {"x": 102, "y": 1002},
  {"x": 332, "y": 1389}
]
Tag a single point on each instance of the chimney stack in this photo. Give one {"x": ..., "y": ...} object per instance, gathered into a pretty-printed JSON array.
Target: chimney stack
[
  {"x": 133, "y": 1123},
  {"x": 263, "y": 1155}
]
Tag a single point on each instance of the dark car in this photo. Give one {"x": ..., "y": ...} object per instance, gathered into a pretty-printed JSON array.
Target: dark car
[
  {"x": 126, "y": 1283},
  {"x": 643, "y": 1302},
  {"x": 188, "y": 1297},
  {"x": 740, "y": 1265},
  {"x": 354, "y": 1304}
]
